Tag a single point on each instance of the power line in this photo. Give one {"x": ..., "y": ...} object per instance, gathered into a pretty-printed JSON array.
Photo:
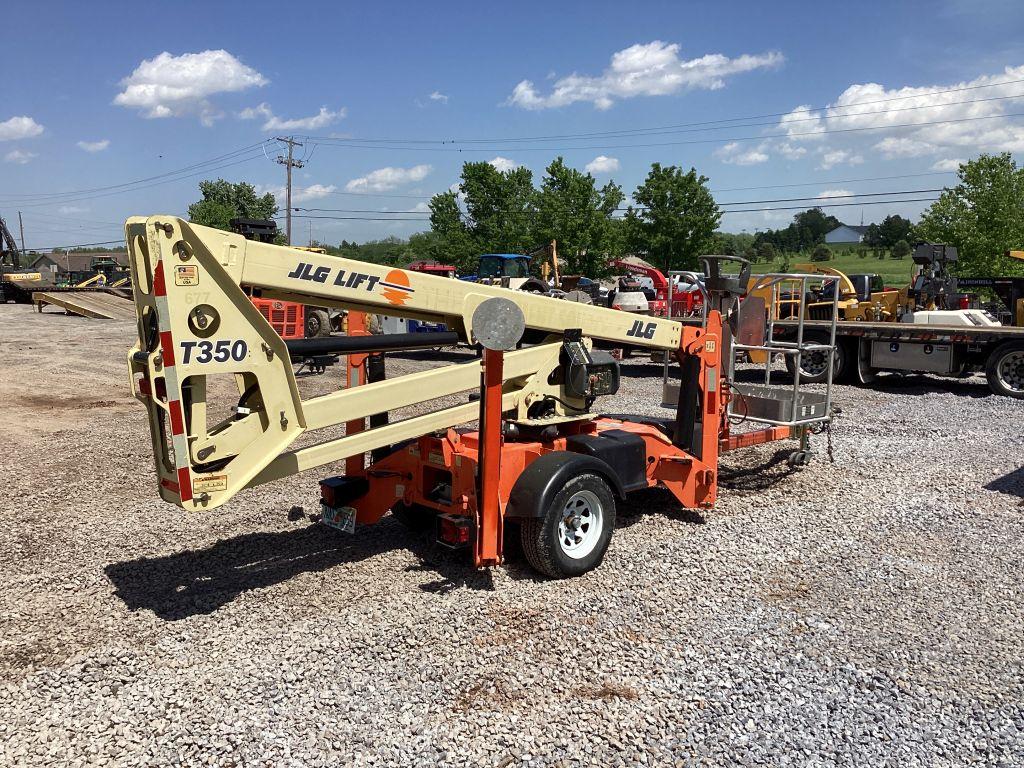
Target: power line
[
  {"x": 833, "y": 197},
  {"x": 136, "y": 189},
  {"x": 789, "y": 135},
  {"x": 833, "y": 205},
  {"x": 36, "y": 195},
  {"x": 654, "y": 129},
  {"x": 73, "y": 245},
  {"x": 640, "y": 207},
  {"x": 835, "y": 181}
]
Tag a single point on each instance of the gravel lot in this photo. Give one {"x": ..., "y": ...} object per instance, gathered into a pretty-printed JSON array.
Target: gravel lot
[{"x": 866, "y": 612}]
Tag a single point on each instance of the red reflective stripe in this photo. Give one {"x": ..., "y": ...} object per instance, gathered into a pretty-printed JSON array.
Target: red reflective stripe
[
  {"x": 159, "y": 286},
  {"x": 185, "y": 484},
  {"x": 170, "y": 485},
  {"x": 167, "y": 347},
  {"x": 177, "y": 422}
]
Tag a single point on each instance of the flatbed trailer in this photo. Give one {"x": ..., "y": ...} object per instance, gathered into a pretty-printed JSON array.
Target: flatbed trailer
[{"x": 863, "y": 349}]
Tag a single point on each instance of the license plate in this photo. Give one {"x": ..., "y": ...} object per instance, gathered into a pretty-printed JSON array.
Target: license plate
[{"x": 342, "y": 518}]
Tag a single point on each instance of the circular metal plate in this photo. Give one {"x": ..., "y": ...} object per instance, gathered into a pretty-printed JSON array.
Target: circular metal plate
[{"x": 498, "y": 324}]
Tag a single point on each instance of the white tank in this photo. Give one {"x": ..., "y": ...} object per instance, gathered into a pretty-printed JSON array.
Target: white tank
[
  {"x": 630, "y": 301},
  {"x": 969, "y": 317}
]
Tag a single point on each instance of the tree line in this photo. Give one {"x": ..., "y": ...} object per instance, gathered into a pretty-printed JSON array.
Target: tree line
[{"x": 671, "y": 220}]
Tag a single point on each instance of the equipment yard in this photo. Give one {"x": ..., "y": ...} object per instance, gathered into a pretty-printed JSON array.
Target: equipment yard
[{"x": 862, "y": 612}]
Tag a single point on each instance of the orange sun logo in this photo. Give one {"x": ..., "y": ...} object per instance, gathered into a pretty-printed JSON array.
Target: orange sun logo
[{"x": 396, "y": 285}]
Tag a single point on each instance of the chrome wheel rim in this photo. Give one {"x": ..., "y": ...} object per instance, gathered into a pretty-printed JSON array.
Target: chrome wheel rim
[
  {"x": 1010, "y": 371},
  {"x": 813, "y": 363},
  {"x": 581, "y": 524}
]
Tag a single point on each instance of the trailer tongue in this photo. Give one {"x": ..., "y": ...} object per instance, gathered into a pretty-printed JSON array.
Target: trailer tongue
[{"x": 541, "y": 456}]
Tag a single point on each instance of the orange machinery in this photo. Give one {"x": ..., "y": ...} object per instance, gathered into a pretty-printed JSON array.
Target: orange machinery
[{"x": 541, "y": 458}]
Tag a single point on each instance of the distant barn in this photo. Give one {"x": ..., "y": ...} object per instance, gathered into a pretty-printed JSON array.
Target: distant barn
[{"x": 846, "y": 234}]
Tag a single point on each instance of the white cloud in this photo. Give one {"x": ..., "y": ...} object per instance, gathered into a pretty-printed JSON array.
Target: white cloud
[
  {"x": 386, "y": 179},
  {"x": 602, "y": 164},
  {"x": 950, "y": 164},
  {"x": 312, "y": 192},
  {"x": 438, "y": 96},
  {"x": 503, "y": 164},
  {"x": 94, "y": 146},
  {"x": 645, "y": 69},
  {"x": 173, "y": 86},
  {"x": 734, "y": 154},
  {"x": 925, "y": 120},
  {"x": 789, "y": 151},
  {"x": 19, "y": 156},
  {"x": 833, "y": 157},
  {"x": 802, "y": 124},
  {"x": 20, "y": 127},
  {"x": 419, "y": 208},
  {"x": 274, "y": 123},
  {"x": 902, "y": 146},
  {"x": 835, "y": 193},
  {"x": 70, "y": 210},
  {"x": 299, "y": 194}
]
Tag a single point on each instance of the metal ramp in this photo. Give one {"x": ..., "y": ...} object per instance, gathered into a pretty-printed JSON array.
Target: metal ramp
[{"x": 100, "y": 305}]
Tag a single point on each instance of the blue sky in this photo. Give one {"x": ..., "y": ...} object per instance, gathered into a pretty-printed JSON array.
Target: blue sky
[{"x": 94, "y": 95}]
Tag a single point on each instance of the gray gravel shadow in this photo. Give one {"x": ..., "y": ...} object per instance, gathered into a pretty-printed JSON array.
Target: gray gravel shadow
[
  {"x": 196, "y": 582},
  {"x": 759, "y": 477},
  {"x": 1012, "y": 483}
]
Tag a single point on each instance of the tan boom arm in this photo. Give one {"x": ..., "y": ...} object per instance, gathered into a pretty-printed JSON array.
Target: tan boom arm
[{"x": 196, "y": 324}]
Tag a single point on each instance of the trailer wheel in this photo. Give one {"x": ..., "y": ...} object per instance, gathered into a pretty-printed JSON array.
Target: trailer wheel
[
  {"x": 1004, "y": 369},
  {"x": 574, "y": 532},
  {"x": 813, "y": 366}
]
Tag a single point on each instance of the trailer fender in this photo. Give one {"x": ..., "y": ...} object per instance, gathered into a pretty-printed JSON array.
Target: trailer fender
[
  {"x": 863, "y": 373},
  {"x": 540, "y": 482}
]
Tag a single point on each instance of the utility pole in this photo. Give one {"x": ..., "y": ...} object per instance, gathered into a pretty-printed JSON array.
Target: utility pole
[
  {"x": 21, "y": 227},
  {"x": 289, "y": 162}
]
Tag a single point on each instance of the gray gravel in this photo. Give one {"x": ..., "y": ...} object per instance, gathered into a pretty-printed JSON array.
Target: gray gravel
[{"x": 867, "y": 612}]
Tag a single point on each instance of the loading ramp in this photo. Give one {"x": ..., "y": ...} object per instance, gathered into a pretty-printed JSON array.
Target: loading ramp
[{"x": 101, "y": 305}]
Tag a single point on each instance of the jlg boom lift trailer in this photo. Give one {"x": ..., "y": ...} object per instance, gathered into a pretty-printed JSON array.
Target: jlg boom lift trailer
[{"x": 541, "y": 457}]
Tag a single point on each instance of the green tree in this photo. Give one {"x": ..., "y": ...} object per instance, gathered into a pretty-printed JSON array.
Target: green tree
[
  {"x": 500, "y": 206},
  {"x": 571, "y": 210},
  {"x": 900, "y": 250},
  {"x": 807, "y": 230},
  {"x": 821, "y": 253},
  {"x": 765, "y": 252},
  {"x": 453, "y": 237},
  {"x": 983, "y": 216},
  {"x": 677, "y": 217},
  {"x": 893, "y": 229},
  {"x": 499, "y": 216},
  {"x": 223, "y": 201}
]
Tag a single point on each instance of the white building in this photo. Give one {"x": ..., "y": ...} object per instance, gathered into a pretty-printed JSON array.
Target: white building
[{"x": 846, "y": 234}]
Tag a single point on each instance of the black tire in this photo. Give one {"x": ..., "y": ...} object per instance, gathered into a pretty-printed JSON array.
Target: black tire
[
  {"x": 415, "y": 517},
  {"x": 1004, "y": 370},
  {"x": 812, "y": 366},
  {"x": 318, "y": 323},
  {"x": 549, "y": 551}
]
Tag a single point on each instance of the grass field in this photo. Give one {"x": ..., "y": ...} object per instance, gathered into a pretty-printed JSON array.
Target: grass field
[{"x": 895, "y": 272}]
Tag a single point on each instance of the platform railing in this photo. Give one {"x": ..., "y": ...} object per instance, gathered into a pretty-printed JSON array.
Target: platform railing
[{"x": 771, "y": 403}]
